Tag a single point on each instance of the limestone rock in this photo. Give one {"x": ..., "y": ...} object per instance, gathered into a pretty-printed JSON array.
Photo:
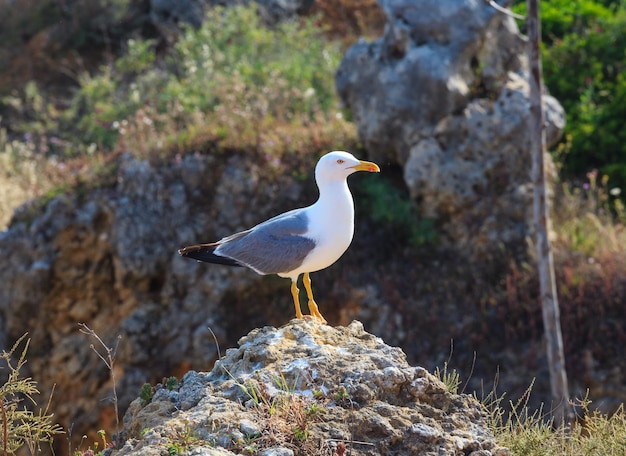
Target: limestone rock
[
  {"x": 110, "y": 260},
  {"x": 444, "y": 93},
  {"x": 304, "y": 389}
]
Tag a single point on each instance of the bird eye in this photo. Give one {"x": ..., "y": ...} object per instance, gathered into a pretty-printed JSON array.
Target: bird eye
[{"x": 340, "y": 161}]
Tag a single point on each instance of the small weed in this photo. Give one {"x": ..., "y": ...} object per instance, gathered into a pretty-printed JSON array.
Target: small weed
[
  {"x": 182, "y": 439},
  {"x": 286, "y": 415},
  {"x": 392, "y": 209},
  {"x": 590, "y": 218},
  {"x": 300, "y": 434},
  {"x": 449, "y": 378},
  {"x": 174, "y": 449},
  {"x": 145, "y": 394},
  {"x": 342, "y": 397},
  {"x": 318, "y": 394},
  {"x": 532, "y": 433},
  {"x": 172, "y": 383},
  {"x": 94, "y": 449},
  {"x": 314, "y": 410},
  {"x": 251, "y": 448},
  {"x": 108, "y": 358},
  {"x": 21, "y": 426}
]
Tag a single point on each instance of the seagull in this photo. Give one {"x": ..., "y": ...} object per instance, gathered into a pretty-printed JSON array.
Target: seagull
[{"x": 299, "y": 241}]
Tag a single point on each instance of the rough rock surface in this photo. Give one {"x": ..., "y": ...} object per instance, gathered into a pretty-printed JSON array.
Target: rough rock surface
[
  {"x": 444, "y": 93},
  {"x": 306, "y": 389},
  {"x": 110, "y": 260}
]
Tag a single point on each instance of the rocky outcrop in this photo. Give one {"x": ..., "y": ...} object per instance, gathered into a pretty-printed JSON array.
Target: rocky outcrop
[
  {"x": 444, "y": 93},
  {"x": 110, "y": 260},
  {"x": 307, "y": 389}
]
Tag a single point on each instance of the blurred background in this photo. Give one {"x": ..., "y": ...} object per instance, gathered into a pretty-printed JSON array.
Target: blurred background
[{"x": 129, "y": 129}]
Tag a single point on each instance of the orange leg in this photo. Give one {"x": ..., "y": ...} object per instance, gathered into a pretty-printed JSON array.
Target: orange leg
[
  {"x": 313, "y": 309},
  {"x": 296, "y": 300}
]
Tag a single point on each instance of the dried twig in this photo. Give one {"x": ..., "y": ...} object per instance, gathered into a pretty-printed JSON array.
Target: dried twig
[{"x": 108, "y": 358}]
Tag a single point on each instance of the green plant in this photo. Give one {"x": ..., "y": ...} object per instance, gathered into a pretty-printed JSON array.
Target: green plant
[
  {"x": 300, "y": 434},
  {"x": 341, "y": 396},
  {"x": 233, "y": 83},
  {"x": 318, "y": 394},
  {"x": 531, "y": 433},
  {"x": 183, "y": 439},
  {"x": 19, "y": 425},
  {"x": 451, "y": 379},
  {"x": 314, "y": 410},
  {"x": 172, "y": 383},
  {"x": 231, "y": 74},
  {"x": 145, "y": 393},
  {"x": 590, "y": 218},
  {"x": 560, "y": 18},
  {"x": 584, "y": 65},
  {"x": 94, "y": 449},
  {"x": 287, "y": 413},
  {"x": 392, "y": 209}
]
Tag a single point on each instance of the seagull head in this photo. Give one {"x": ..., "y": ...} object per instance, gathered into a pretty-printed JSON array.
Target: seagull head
[{"x": 338, "y": 165}]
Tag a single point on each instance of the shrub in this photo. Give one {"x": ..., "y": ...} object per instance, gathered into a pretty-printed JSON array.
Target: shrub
[
  {"x": 232, "y": 83},
  {"x": 232, "y": 70},
  {"x": 584, "y": 63},
  {"x": 21, "y": 426},
  {"x": 391, "y": 208}
]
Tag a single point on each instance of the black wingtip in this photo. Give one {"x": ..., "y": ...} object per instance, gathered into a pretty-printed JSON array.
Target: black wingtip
[{"x": 206, "y": 254}]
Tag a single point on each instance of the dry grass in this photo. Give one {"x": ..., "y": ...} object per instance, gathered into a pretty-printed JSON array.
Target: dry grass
[
  {"x": 347, "y": 20},
  {"x": 273, "y": 103},
  {"x": 528, "y": 433},
  {"x": 21, "y": 427},
  {"x": 284, "y": 418}
]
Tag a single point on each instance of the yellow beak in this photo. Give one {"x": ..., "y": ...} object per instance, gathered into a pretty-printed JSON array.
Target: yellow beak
[{"x": 367, "y": 166}]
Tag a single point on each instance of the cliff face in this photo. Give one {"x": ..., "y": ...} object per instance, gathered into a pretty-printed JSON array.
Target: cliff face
[
  {"x": 109, "y": 259},
  {"x": 307, "y": 389}
]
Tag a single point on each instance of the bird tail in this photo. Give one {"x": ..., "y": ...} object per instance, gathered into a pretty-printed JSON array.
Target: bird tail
[{"x": 204, "y": 252}]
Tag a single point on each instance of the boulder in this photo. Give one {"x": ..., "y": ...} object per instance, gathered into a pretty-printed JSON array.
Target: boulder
[
  {"x": 304, "y": 389},
  {"x": 444, "y": 94}
]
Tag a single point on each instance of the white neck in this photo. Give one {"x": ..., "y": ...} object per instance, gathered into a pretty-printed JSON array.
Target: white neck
[{"x": 335, "y": 199}]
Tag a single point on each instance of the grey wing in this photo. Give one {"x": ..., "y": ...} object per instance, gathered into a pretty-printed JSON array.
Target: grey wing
[{"x": 276, "y": 245}]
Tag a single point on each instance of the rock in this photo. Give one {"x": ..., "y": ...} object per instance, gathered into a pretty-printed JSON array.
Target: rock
[
  {"x": 169, "y": 15},
  {"x": 280, "y": 451},
  {"x": 425, "y": 432},
  {"x": 304, "y": 387},
  {"x": 249, "y": 428},
  {"x": 110, "y": 260},
  {"x": 444, "y": 93}
]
